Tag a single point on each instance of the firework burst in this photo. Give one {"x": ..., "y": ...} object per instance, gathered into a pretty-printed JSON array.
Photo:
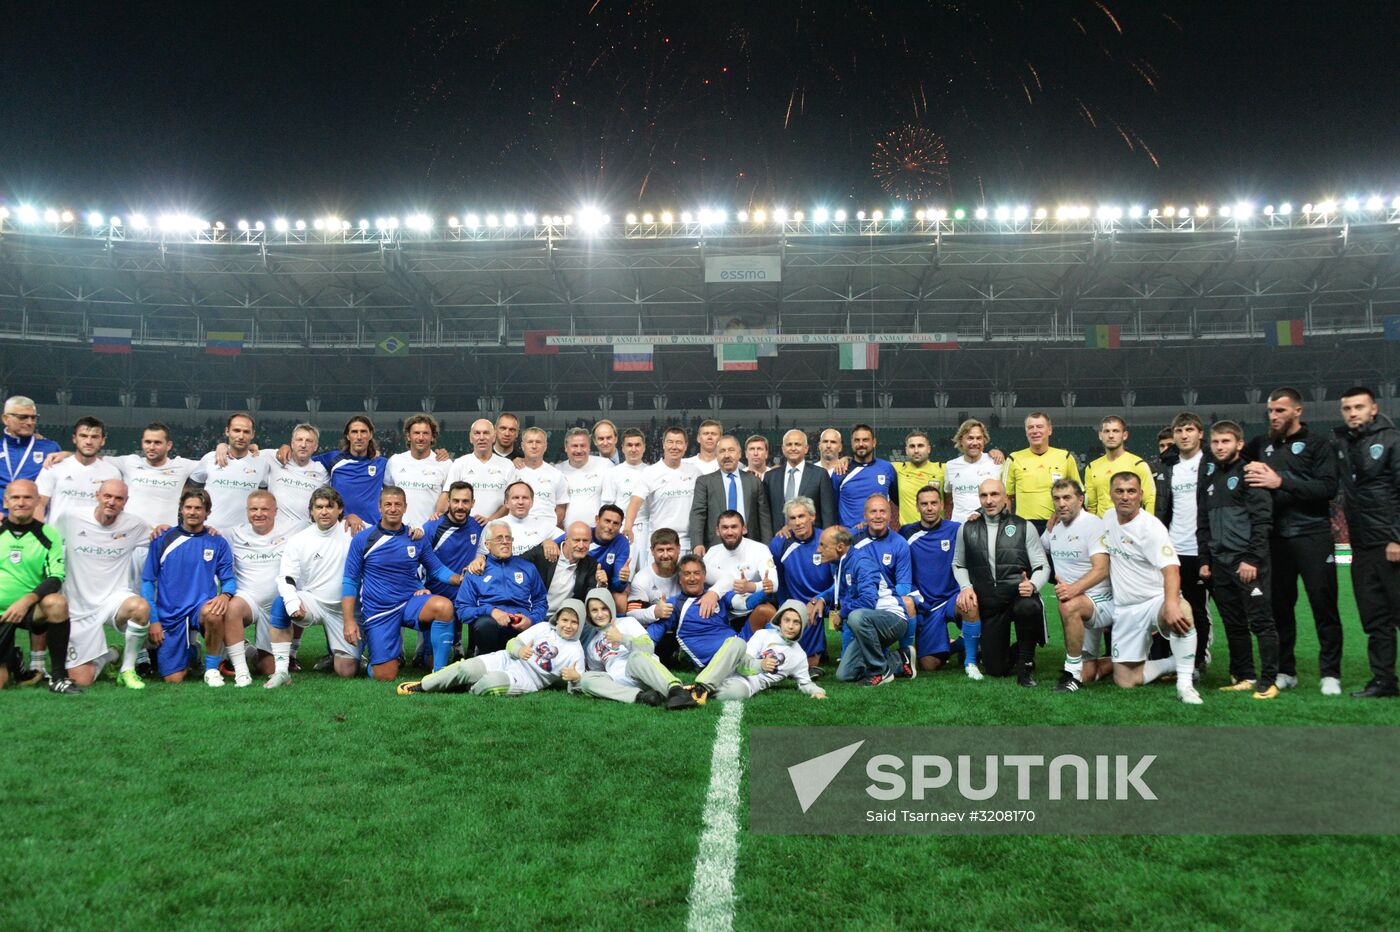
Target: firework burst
[{"x": 910, "y": 163}]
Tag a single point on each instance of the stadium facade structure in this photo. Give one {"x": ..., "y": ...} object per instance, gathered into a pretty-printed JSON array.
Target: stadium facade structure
[{"x": 1191, "y": 295}]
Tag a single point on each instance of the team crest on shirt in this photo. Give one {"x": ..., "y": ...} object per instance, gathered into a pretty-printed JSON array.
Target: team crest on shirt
[
  {"x": 1167, "y": 550},
  {"x": 887, "y": 558},
  {"x": 848, "y": 580},
  {"x": 1210, "y": 469},
  {"x": 1376, "y": 451},
  {"x": 373, "y": 470},
  {"x": 1297, "y": 447},
  {"x": 611, "y": 559},
  {"x": 880, "y": 479},
  {"x": 946, "y": 544},
  {"x": 816, "y": 559},
  {"x": 1231, "y": 482},
  {"x": 473, "y": 537},
  {"x": 38, "y": 457},
  {"x": 16, "y": 556},
  {"x": 208, "y": 554},
  {"x": 412, "y": 550},
  {"x": 519, "y": 578},
  {"x": 1011, "y": 530}
]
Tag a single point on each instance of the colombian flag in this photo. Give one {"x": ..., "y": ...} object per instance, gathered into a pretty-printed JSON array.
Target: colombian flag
[{"x": 224, "y": 343}]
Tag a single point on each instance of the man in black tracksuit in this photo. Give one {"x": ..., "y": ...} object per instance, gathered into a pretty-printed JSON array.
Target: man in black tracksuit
[
  {"x": 1369, "y": 448},
  {"x": 1232, "y": 536},
  {"x": 1299, "y": 469}
]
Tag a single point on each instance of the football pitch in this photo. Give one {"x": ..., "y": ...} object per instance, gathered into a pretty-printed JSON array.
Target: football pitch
[{"x": 336, "y": 803}]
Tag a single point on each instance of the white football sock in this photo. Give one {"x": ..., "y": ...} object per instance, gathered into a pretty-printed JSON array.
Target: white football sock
[
  {"x": 281, "y": 656},
  {"x": 37, "y": 658},
  {"x": 134, "y": 644},
  {"x": 1075, "y": 665},
  {"x": 1184, "y": 655},
  {"x": 1152, "y": 669},
  {"x": 238, "y": 656}
]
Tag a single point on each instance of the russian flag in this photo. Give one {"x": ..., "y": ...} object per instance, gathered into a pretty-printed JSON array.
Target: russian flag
[
  {"x": 632, "y": 357},
  {"x": 1284, "y": 333},
  {"x": 116, "y": 340},
  {"x": 224, "y": 343}
]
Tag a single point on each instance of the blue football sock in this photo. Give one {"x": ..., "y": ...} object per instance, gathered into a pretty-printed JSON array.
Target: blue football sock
[
  {"x": 972, "y": 637},
  {"x": 441, "y": 637},
  {"x": 211, "y": 661}
]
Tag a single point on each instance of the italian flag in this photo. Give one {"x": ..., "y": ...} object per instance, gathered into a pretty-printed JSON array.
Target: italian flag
[{"x": 860, "y": 355}]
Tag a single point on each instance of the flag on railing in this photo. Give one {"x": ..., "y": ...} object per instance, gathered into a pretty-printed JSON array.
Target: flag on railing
[
  {"x": 737, "y": 357},
  {"x": 391, "y": 344},
  {"x": 632, "y": 357},
  {"x": 535, "y": 345},
  {"x": 1103, "y": 336},
  {"x": 860, "y": 356},
  {"x": 115, "y": 340},
  {"x": 1284, "y": 333},
  {"x": 224, "y": 343}
]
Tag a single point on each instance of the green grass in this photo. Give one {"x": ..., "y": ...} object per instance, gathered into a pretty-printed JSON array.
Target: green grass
[{"x": 336, "y": 803}]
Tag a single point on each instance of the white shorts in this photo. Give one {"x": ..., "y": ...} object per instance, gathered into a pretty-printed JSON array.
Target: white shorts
[
  {"x": 1095, "y": 626},
  {"x": 326, "y": 614},
  {"x": 87, "y": 635},
  {"x": 1132, "y": 629}
]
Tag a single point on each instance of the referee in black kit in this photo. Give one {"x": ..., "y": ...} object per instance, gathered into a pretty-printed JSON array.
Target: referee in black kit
[
  {"x": 1299, "y": 468},
  {"x": 1370, "y": 477}
]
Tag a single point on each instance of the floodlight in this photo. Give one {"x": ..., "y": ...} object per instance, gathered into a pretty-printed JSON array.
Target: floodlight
[
  {"x": 1020, "y": 213},
  {"x": 260, "y": 226},
  {"x": 630, "y": 219},
  {"x": 492, "y": 220},
  {"x": 28, "y": 214},
  {"x": 393, "y": 223},
  {"x": 67, "y": 216},
  {"x": 819, "y": 215},
  {"x": 897, "y": 214},
  {"x": 1268, "y": 210},
  {"x": 1003, "y": 214},
  {"x": 1202, "y": 211},
  {"x": 4, "y": 213},
  {"x": 94, "y": 219},
  {"x": 1226, "y": 212},
  {"x": 1135, "y": 212},
  {"x": 590, "y": 219},
  {"x": 567, "y": 219},
  {"x": 797, "y": 215},
  {"x": 1352, "y": 205},
  {"x": 301, "y": 224},
  {"x": 1395, "y": 203},
  {"x": 50, "y": 216},
  {"x": 666, "y": 217},
  {"x": 760, "y": 215},
  {"x": 860, "y": 215},
  {"x": 686, "y": 216},
  {"x": 1285, "y": 208},
  {"x": 528, "y": 219},
  {"x": 981, "y": 213},
  {"x": 1244, "y": 210},
  {"x": 510, "y": 219},
  {"x": 840, "y": 216},
  {"x": 648, "y": 218},
  {"x": 280, "y": 225},
  {"x": 219, "y": 225},
  {"x": 137, "y": 220},
  {"x": 1374, "y": 203},
  {"x": 940, "y": 214},
  {"x": 920, "y": 214},
  {"x": 318, "y": 224},
  {"x": 115, "y": 221},
  {"x": 453, "y": 222},
  {"x": 959, "y": 214},
  {"x": 345, "y": 224},
  {"x": 780, "y": 215},
  {"x": 1327, "y": 207},
  {"x": 473, "y": 221},
  {"x": 1153, "y": 213},
  {"x": 878, "y": 216},
  {"x": 364, "y": 224},
  {"x": 1170, "y": 211}
]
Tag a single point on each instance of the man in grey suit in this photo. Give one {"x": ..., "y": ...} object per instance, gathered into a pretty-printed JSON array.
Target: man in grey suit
[
  {"x": 729, "y": 487},
  {"x": 795, "y": 476}
]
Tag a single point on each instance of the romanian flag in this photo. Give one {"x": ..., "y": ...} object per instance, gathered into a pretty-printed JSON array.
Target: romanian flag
[
  {"x": 860, "y": 355},
  {"x": 737, "y": 357},
  {"x": 224, "y": 343},
  {"x": 115, "y": 340},
  {"x": 535, "y": 345},
  {"x": 1284, "y": 333},
  {"x": 632, "y": 357},
  {"x": 1103, "y": 336}
]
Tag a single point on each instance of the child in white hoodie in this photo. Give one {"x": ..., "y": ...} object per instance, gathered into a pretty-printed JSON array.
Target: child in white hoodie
[{"x": 743, "y": 669}]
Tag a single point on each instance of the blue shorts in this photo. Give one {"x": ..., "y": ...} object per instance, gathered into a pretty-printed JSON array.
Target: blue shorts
[
  {"x": 384, "y": 636},
  {"x": 701, "y": 649},
  {"x": 813, "y": 639},
  {"x": 173, "y": 654},
  {"x": 932, "y": 634}
]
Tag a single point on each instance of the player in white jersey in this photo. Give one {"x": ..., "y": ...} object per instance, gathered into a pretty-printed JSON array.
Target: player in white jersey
[
  {"x": 533, "y": 660},
  {"x": 488, "y": 472},
  {"x": 418, "y": 471},
  {"x": 655, "y": 583},
  {"x": 620, "y": 660},
  {"x": 1146, "y": 580},
  {"x": 744, "y": 566},
  {"x": 309, "y": 585},
  {"x": 257, "y": 554},
  {"x": 228, "y": 485},
  {"x": 292, "y": 482},
  {"x": 99, "y": 548},
  {"x": 742, "y": 670},
  {"x": 963, "y": 477},
  {"x": 526, "y": 527},
  {"x": 666, "y": 490},
  {"x": 706, "y": 460},
  {"x": 1074, "y": 542},
  {"x": 70, "y": 484},
  {"x": 620, "y": 481},
  {"x": 584, "y": 476},
  {"x": 548, "y": 484},
  {"x": 154, "y": 478},
  {"x": 605, "y": 442},
  {"x": 1183, "y": 475}
]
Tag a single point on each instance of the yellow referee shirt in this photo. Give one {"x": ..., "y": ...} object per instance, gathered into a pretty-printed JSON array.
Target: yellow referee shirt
[
  {"x": 1028, "y": 476},
  {"x": 1096, "y": 482},
  {"x": 911, "y": 479}
]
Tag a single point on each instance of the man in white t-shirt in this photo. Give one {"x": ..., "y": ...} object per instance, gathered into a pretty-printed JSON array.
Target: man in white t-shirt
[
  {"x": 1074, "y": 543},
  {"x": 418, "y": 471},
  {"x": 71, "y": 484},
  {"x": 257, "y": 546},
  {"x": 154, "y": 479},
  {"x": 1146, "y": 581},
  {"x": 527, "y": 527},
  {"x": 488, "y": 472},
  {"x": 99, "y": 547},
  {"x": 666, "y": 490},
  {"x": 962, "y": 477},
  {"x": 1178, "y": 513},
  {"x": 605, "y": 442},
  {"x": 620, "y": 481},
  {"x": 228, "y": 485},
  {"x": 584, "y": 475},
  {"x": 309, "y": 586},
  {"x": 706, "y": 459},
  {"x": 548, "y": 484},
  {"x": 292, "y": 482},
  {"x": 743, "y": 566},
  {"x": 656, "y": 581}
]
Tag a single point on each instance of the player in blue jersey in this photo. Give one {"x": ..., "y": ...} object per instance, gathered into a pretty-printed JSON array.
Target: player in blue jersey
[
  {"x": 700, "y": 616},
  {"x": 455, "y": 538},
  {"x": 802, "y": 574},
  {"x": 932, "y": 542},
  {"x": 613, "y": 551},
  {"x": 357, "y": 472},
  {"x": 188, "y": 581},
  {"x": 865, "y": 476},
  {"x": 890, "y": 553},
  {"x": 381, "y": 574}
]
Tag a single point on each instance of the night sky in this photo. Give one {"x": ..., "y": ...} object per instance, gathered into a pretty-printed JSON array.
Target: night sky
[{"x": 302, "y": 108}]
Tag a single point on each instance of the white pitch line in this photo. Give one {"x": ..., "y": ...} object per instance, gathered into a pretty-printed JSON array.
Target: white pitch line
[{"x": 712, "y": 889}]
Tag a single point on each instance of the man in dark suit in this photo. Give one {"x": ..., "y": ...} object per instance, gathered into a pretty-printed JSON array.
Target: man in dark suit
[
  {"x": 567, "y": 570},
  {"x": 796, "y": 476},
  {"x": 729, "y": 488}
]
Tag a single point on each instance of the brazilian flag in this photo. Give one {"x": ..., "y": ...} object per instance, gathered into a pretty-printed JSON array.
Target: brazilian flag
[{"x": 391, "y": 344}]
